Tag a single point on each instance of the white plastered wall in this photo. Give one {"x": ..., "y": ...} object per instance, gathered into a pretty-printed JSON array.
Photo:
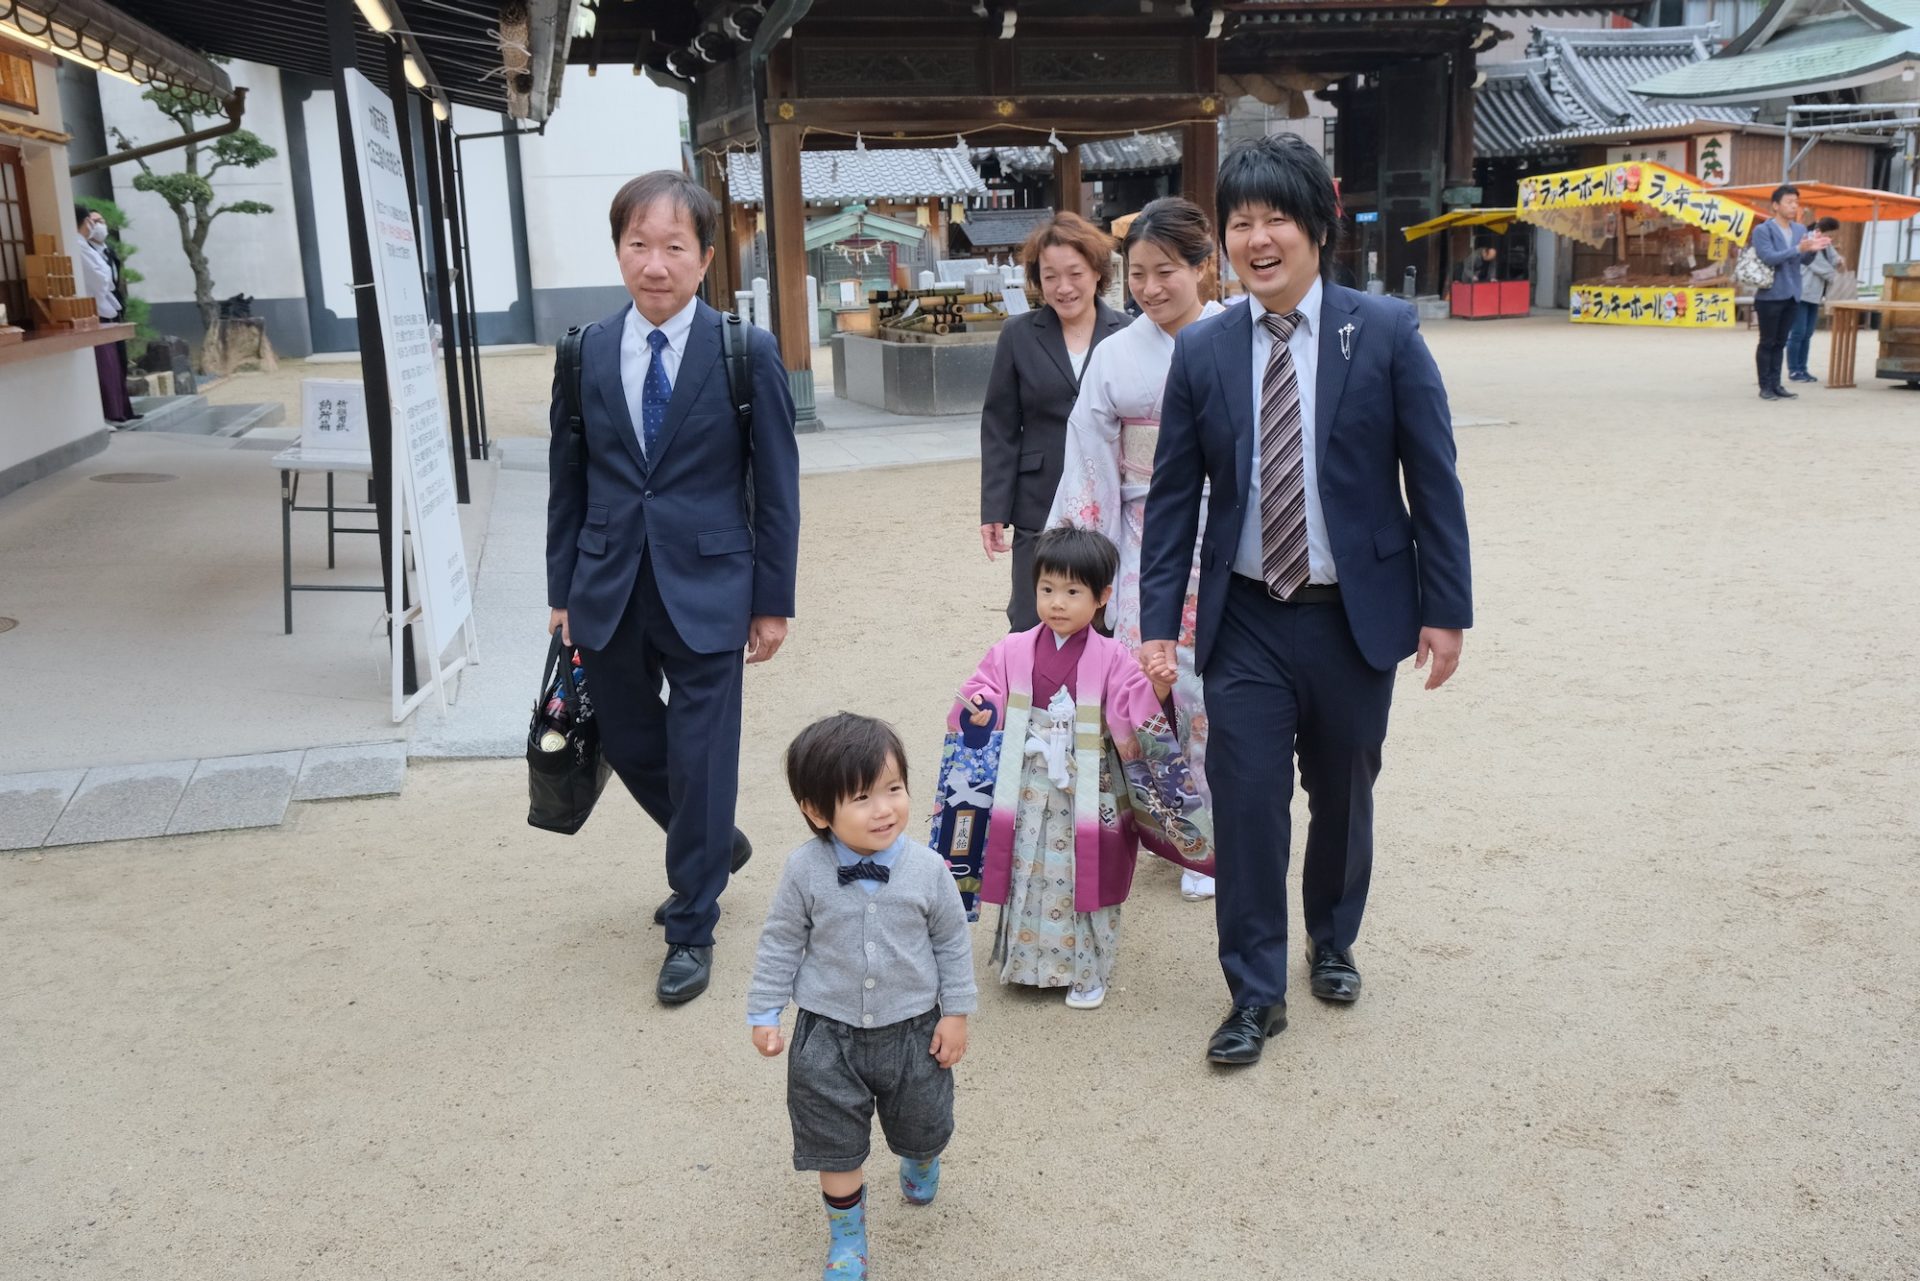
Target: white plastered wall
[
  {"x": 254, "y": 254},
  {"x": 608, "y": 128}
]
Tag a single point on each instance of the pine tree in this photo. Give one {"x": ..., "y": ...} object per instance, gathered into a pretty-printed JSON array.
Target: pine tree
[{"x": 189, "y": 192}]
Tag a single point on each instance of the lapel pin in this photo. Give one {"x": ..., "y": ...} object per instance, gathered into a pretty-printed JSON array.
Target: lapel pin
[{"x": 1346, "y": 341}]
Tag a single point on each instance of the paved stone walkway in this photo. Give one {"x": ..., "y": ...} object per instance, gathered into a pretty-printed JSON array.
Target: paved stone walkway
[{"x": 171, "y": 798}]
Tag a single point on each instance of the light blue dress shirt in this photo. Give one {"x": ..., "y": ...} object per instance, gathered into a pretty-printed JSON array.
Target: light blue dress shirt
[
  {"x": 885, "y": 858},
  {"x": 636, "y": 357},
  {"x": 1305, "y": 346}
]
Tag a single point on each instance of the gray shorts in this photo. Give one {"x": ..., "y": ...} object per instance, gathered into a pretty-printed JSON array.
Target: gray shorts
[{"x": 837, "y": 1075}]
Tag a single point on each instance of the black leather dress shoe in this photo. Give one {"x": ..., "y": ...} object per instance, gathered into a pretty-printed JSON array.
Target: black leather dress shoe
[
  {"x": 684, "y": 974},
  {"x": 742, "y": 851},
  {"x": 1781, "y": 393},
  {"x": 1335, "y": 976},
  {"x": 1239, "y": 1040}
]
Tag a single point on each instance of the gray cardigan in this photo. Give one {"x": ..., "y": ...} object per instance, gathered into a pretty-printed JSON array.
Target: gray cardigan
[{"x": 867, "y": 960}]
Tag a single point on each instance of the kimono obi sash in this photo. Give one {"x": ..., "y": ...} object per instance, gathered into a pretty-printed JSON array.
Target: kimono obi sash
[{"x": 1139, "y": 437}]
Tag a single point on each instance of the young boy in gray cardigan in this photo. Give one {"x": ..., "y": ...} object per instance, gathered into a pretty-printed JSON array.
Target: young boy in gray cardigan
[{"x": 867, "y": 935}]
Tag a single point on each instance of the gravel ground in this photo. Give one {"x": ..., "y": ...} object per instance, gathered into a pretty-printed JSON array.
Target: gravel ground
[{"x": 1642, "y": 957}]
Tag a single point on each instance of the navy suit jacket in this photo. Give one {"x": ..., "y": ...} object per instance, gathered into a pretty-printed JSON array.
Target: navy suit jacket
[
  {"x": 686, "y": 508},
  {"x": 1380, "y": 419}
]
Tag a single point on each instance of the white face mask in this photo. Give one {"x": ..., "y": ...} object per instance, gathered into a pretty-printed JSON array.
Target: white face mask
[{"x": 97, "y": 233}]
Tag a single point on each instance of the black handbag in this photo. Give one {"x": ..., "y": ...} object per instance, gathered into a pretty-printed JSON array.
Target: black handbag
[{"x": 563, "y": 784}]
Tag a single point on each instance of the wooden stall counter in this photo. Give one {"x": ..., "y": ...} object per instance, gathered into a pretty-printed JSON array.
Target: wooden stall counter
[
  {"x": 1846, "y": 335},
  {"x": 52, "y": 342}
]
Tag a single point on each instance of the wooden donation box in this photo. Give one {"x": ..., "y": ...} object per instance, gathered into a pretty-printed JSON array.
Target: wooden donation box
[{"x": 1900, "y": 324}]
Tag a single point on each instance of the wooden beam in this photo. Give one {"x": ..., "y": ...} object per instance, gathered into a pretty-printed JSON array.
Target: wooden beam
[
  {"x": 786, "y": 243},
  {"x": 723, "y": 277},
  {"x": 1200, "y": 163},
  {"x": 1460, "y": 121},
  {"x": 910, "y": 117},
  {"x": 1066, "y": 180}
]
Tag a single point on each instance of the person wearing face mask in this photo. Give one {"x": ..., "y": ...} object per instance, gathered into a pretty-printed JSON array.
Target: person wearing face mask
[
  {"x": 1114, "y": 429},
  {"x": 1037, "y": 368},
  {"x": 96, "y": 277}
]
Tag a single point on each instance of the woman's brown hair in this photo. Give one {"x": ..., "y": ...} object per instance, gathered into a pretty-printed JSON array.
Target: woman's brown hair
[{"x": 1076, "y": 233}]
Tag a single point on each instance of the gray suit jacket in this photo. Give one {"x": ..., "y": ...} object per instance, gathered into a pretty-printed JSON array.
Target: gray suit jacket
[{"x": 1023, "y": 424}]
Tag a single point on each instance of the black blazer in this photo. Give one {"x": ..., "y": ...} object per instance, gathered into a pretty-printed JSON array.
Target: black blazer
[{"x": 1023, "y": 425}]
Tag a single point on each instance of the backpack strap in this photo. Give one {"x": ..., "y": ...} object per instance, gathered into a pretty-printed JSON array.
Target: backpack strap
[
  {"x": 570, "y": 375},
  {"x": 733, "y": 347}
]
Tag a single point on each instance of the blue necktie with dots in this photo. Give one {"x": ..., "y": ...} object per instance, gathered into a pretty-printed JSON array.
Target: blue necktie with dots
[{"x": 654, "y": 394}]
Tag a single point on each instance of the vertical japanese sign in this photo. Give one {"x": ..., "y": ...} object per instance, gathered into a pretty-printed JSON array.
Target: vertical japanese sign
[{"x": 420, "y": 453}]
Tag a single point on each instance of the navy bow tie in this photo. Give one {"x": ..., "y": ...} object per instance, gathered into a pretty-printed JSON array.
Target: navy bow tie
[{"x": 865, "y": 870}]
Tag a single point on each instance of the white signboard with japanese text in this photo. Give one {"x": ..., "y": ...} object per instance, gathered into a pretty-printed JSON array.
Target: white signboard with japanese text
[
  {"x": 333, "y": 415},
  {"x": 422, "y": 461}
]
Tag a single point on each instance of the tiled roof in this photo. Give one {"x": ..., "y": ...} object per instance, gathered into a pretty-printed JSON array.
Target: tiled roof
[
  {"x": 1579, "y": 84},
  {"x": 1101, "y": 158},
  {"x": 986, "y": 228},
  {"x": 1797, "y": 47},
  {"x": 878, "y": 173}
]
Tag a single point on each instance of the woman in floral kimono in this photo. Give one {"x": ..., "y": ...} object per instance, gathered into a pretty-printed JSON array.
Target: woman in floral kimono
[
  {"x": 1089, "y": 770},
  {"x": 1114, "y": 428}
]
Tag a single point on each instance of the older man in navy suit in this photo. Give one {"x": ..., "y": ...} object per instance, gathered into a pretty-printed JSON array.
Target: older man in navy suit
[
  {"x": 1307, "y": 409},
  {"x": 671, "y": 542}
]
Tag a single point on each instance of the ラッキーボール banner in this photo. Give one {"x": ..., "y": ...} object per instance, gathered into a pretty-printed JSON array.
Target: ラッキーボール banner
[
  {"x": 1671, "y": 307},
  {"x": 1664, "y": 190}
]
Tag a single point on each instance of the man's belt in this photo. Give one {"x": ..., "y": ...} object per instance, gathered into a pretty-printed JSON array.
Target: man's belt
[{"x": 1308, "y": 594}]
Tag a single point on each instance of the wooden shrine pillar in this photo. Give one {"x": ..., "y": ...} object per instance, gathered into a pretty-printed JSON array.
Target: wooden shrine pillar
[
  {"x": 1066, "y": 179},
  {"x": 1460, "y": 114},
  {"x": 1200, "y": 162},
  {"x": 723, "y": 276},
  {"x": 787, "y": 282}
]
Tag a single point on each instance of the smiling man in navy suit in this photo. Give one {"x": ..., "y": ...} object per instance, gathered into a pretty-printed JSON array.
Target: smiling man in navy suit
[
  {"x": 671, "y": 546},
  {"x": 1307, "y": 409}
]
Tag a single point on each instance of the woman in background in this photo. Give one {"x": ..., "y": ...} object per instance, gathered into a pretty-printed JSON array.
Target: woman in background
[
  {"x": 1036, "y": 375},
  {"x": 1114, "y": 429}
]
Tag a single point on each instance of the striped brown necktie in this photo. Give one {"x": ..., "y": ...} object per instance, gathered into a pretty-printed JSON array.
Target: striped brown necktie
[{"x": 1283, "y": 488}]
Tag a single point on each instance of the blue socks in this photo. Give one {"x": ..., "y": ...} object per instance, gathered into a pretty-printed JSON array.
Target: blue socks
[
  {"x": 847, "y": 1239},
  {"x": 919, "y": 1180}
]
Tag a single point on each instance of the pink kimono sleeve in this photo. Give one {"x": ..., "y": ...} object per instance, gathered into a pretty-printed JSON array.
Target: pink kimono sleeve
[
  {"x": 1171, "y": 819},
  {"x": 989, "y": 681}
]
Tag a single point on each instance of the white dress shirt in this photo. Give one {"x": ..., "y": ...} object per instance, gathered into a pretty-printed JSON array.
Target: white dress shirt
[
  {"x": 636, "y": 357},
  {"x": 1305, "y": 346},
  {"x": 95, "y": 277}
]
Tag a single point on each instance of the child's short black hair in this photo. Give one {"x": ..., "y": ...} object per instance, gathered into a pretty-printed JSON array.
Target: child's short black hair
[
  {"x": 839, "y": 757},
  {"x": 1086, "y": 556},
  {"x": 1283, "y": 172}
]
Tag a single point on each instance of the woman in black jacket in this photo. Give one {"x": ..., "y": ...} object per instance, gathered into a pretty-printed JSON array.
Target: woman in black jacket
[{"x": 1036, "y": 375}]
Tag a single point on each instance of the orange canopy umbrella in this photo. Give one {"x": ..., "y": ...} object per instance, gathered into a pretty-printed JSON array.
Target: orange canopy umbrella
[{"x": 1847, "y": 204}]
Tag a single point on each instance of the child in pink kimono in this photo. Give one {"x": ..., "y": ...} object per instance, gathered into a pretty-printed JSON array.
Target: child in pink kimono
[{"x": 1089, "y": 769}]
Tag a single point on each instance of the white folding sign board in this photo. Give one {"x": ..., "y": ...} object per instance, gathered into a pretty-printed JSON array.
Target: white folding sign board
[{"x": 422, "y": 462}]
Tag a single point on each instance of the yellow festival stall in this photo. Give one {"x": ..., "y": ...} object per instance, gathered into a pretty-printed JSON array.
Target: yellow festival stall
[{"x": 1674, "y": 241}]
